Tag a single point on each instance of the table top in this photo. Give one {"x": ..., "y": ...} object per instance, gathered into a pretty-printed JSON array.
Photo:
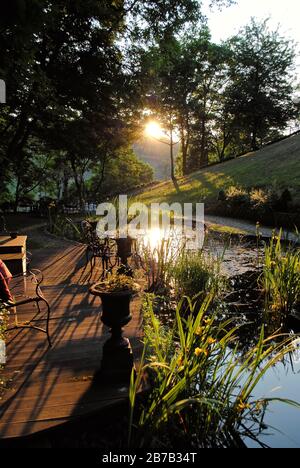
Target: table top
[
  {"x": 8, "y": 245},
  {"x": 7, "y": 241}
]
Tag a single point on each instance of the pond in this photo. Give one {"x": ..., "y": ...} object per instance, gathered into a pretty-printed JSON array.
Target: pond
[{"x": 241, "y": 262}]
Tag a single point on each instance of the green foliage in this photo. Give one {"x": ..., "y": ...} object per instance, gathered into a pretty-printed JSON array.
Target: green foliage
[
  {"x": 281, "y": 277},
  {"x": 123, "y": 171},
  {"x": 196, "y": 274},
  {"x": 117, "y": 283},
  {"x": 237, "y": 196},
  {"x": 65, "y": 227},
  {"x": 80, "y": 76},
  {"x": 201, "y": 391},
  {"x": 260, "y": 92}
]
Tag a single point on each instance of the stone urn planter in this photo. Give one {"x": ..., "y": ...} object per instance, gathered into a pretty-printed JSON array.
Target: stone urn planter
[
  {"x": 116, "y": 294},
  {"x": 124, "y": 251}
]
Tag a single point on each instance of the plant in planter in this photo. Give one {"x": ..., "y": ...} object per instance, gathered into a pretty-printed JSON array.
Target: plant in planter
[{"x": 116, "y": 293}]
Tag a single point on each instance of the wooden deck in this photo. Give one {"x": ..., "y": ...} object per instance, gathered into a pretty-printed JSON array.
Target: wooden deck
[{"x": 48, "y": 387}]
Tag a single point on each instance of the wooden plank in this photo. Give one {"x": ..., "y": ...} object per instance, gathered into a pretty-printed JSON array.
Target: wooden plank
[
  {"x": 52, "y": 386},
  {"x": 17, "y": 430}
]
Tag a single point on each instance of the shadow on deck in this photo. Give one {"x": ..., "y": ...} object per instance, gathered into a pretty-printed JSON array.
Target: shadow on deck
[{"x": 48, "y": 387}]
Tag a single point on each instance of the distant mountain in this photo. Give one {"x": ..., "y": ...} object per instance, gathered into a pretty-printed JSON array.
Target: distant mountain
[{"x": 157, "y": 155}]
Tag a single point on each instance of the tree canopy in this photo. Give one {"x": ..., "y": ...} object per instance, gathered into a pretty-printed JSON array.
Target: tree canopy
[{"x": 81, "y": 76}]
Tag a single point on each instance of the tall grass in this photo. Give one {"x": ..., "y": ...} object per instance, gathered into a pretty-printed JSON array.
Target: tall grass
[
  {"x": 281, "y": 277},
  {"x": 158, "y": 262},
  {"x": 201, "y": 390},
  {"x": 195, "y": 274}
]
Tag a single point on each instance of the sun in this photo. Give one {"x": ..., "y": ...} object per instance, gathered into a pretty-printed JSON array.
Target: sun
[{"x": 154, "y": 130}]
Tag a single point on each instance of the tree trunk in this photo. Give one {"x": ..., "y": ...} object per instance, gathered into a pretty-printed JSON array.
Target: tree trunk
[
  {"x": 172, "y": 152},
  {"x": 203, "y": 149},
  {"x": 17, "y": 195},
  {"x": 254, "y": 145},
  {"x": 78, "y": 183}
]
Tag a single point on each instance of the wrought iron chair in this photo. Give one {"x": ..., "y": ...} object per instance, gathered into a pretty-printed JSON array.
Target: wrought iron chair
[
  {"x": 38, "y": 298},
  {"x": 105, "y": 249}
]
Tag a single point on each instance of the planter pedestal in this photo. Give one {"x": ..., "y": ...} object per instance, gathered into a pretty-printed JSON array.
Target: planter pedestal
[{"x": 117, "y": 360}]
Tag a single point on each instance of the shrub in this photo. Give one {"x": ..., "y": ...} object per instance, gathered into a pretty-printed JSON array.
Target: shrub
[
  {"x": 260, "y": 199},
  {"x": 237, "y": 196}
]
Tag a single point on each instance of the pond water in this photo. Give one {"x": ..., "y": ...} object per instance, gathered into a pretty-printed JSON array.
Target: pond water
[{"x": 281, "y": 381}]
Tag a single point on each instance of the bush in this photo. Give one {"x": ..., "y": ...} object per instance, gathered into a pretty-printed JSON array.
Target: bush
[
  {"x": 260, "y": 199},
  {"x": 237, "y": 196}
]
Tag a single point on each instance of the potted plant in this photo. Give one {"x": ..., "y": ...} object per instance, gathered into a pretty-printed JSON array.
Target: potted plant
[{"x": 116, "y": 293}]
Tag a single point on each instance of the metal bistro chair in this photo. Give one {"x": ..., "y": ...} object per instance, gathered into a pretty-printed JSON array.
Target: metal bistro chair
[
  {"x": 105, "y": 249},
  {"x": 37, "y": 279}
]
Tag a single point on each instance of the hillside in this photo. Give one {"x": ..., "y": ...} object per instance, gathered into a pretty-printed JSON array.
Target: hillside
[
  {"x": 157, "y": 155},
  {"x": 276, "y": 166}
]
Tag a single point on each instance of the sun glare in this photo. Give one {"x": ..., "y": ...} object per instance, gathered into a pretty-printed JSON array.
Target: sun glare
[{"x": 154, "y": 130}]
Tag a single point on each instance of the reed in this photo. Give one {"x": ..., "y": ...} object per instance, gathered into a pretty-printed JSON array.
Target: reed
[
  {"x": 281, "y": 277},
  {"x": 201, "y": 389}
]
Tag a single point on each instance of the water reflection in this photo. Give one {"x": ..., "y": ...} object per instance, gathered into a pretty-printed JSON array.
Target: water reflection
[{"x": 282, "y": 381}]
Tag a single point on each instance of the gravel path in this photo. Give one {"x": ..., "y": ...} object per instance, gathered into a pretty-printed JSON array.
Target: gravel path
[{"x": 247, "y": 226}]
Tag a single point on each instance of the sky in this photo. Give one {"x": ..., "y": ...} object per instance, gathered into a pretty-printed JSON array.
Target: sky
[{"x": 228, "y": 21}]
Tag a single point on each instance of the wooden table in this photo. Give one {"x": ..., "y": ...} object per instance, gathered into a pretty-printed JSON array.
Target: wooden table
[{"x": 13, "y": 253}]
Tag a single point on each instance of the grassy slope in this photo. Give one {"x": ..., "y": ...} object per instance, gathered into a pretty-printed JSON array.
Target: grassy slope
[{"x": 276, "y": 166}]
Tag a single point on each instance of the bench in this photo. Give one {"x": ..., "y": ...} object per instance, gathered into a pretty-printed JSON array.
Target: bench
[{"x": 37, "y": 298}]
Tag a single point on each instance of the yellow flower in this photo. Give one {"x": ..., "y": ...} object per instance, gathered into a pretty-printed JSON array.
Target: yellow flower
[
  {"x": 243, "y": 406},
  {"x": 207, "y": 321},
  {"x": 211, "y": 340},
  {"x": 199, "y": 351},
  {"x": 180, "y": 361},
  {"x": 199, "y": 331}
]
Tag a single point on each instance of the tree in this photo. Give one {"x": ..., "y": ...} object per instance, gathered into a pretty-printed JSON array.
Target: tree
[
  {"x": 66, "y": 69},
  {"x": 123, "y": 172},
  {"x": 73, "y": 81},
  {"x": 260, "y": 95},
  {"x": 210, "y": 78}
]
